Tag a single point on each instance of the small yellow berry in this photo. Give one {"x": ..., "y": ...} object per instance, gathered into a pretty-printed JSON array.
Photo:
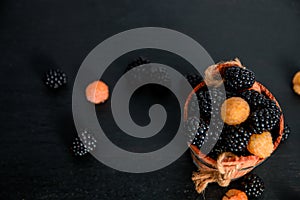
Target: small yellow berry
[
  {"x": 235, "y": 194},
  {"x": 261, "y": 145},
  {"x": 235, "y": 110}
]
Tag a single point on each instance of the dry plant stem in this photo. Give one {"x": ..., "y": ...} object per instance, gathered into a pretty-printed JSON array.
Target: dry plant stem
[
  {"x": 212, "y": 73},
  {"x": 222, "y": 174}
]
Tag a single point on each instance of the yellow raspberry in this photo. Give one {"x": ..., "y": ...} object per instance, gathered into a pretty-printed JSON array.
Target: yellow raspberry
[
  {"x": 235, "y": 194},
  {"x": 296, "y": 89},
  {"x": 235, "y": 110},
  {"x": 296, "y": 83},
  {"x": 261, "y": 145},
  {"x": 296, "y": 79}
]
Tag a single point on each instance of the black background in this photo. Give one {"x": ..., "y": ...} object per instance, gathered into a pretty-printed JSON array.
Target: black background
[{"x": 37, "y": 126}]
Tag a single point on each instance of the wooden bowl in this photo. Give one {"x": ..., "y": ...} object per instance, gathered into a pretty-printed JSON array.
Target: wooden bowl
[{"x": 246, "y": 163}]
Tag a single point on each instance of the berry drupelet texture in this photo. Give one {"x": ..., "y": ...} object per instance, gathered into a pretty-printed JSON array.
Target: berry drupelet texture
[
  {"x": 194, "y": 79},
  {"x": 55, "y": 79},
  {"x": 237, "y": 78},
  {"x": 253, "y": 186}
]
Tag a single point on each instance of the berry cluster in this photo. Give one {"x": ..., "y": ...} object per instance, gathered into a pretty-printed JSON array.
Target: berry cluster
[
  {"x": 84, "y": 144},
  {"x": 247, "y": 118},
  {"x": 155, "y": 74},
  {"x": 55, "y": 79}
]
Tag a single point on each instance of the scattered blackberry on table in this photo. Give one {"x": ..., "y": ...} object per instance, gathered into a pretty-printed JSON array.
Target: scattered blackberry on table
[
  {"x": 138, "y": 74},
  {"x": 263, "y": 120},
  {"x": 237, "y": 78},
  {"x": 137, "y": 62},
  {"x": 236, "y": 139},
  {"x": 78, "y": 147},
  {"x": 88, "y": 140},
  {"x": 194, "y": 79},
  {"x": 84, "y": 144},
  {"x": 160, "y": 75},
  {"x": 286, "y": 133},
  {"x": 55, "y": 79},
  {"x": 156, "y": 74},
  {"x": 253, "y": 185}
]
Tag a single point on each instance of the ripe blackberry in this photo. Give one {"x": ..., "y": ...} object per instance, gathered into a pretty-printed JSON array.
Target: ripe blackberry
[
  {"x": 55, "y": 78},
  {"x": 196, "y": 131},
  {"x": 78, "y": 147},
  {"x": 138, "y": 74},
  {"x": 160, "y": 75},
  {"x": 253, "y": 185},
  {"x": 254, "y": 99},
  {"x": 194, "y": 79},
  {"x": 236, "y": 139},
  {"x": 137, "y": 62},
  {"x": 86, "y": 143},
  {"x": 155, "y": 74},
  {"x": 237, "y": 78},
  {"x": 263, "y": 120},
  {"x": 286, "y": 133},
  {"x": 193, "y": 106},
  {"x": 205, "y": 98},
  {"x": 259, "y": 101},
  {"x": 217, "y": 149},
  {"x": 88, "y": 140},
  {"x": 272, "y": 105}
]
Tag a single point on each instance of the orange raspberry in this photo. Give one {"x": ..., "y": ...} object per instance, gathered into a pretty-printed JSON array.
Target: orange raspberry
[
  {"x": 235, "y": 110},
  {"x": 296, "y": 83},
  {"x": 235, "y": 194},
  {"x": 296, "y": 79},
  {"x": 261, "y": 145},
  {"x": 296, "y": 88},
  {"x": 97, "y": 92}
]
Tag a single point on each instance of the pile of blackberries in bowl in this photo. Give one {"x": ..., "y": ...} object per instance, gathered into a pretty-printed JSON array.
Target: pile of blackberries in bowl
[{"x": 247, "y": 115}]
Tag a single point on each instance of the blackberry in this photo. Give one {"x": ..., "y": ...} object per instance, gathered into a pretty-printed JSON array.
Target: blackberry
[
  {"x": 155, "y": 74},
  {"x": 217, "y": 149},
  {"x": 237, "y": 78},
  {"x": 160, "y": 75},
  {"x": 286, "y": 133},
  {"x": 88, "y": 140},
  {"x": 254, "y": 99},
  {"x": 204, "y": 103},
  {"x": 253, "y": 185},
  {"x": 205, "y": 98},
  {"x": 259, "y": 101},
  {"x": 193, "y": 106},
  {"x": 236, "y": 139},
  {"x": 137, "y": 62},
  {"x": 78, "y": 147},
  {"x": 55, "y": 79},
  {"x": 196, "y": 131},
  {"x": 86, "y": 143},
  {"x": 272, "y": 105},
  {"x": 194, "y": 79},
  {"x": 138, "y": 74},
  {"x": 263, "y": 120}
]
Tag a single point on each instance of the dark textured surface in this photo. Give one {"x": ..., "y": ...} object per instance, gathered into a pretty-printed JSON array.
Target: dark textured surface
[{"x": 37, "y": 125}]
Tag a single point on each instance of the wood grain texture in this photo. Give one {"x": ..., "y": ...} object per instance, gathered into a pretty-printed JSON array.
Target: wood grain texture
[{"x": 37, "y": 126}]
